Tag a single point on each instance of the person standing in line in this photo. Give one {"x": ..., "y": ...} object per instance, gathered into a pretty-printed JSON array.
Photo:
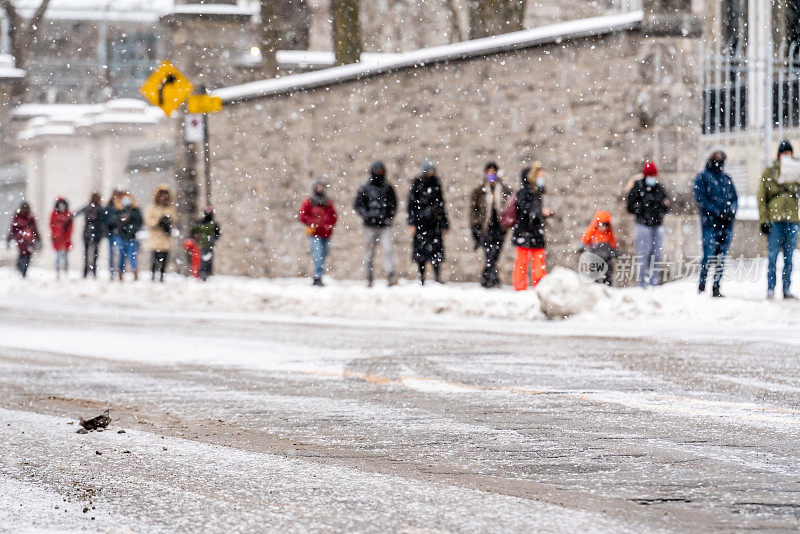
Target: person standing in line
[
  {"x": 92, "y": 233},
  {"x": 427, "y": 221},
  {"x": 600, "y": 241},
  {"x": 319, "y": 216},
  {"x": 486, "y": 202},
  {"x": 129, "y": 220},
  {"x": 717, "y": 202},
  {"x": 111, "y": 227},
  {"x": 529, "y": 229},
  {"x": 206, "y": 233},
  {"x": 777, "y": 213},
  {"x": 647, "y": 200},
  {"x": 159, "y": 219},
  {"x": 61, "y": 235},
  {"x": 25, "y": 234},
  {"x": 376, "y": 204}
]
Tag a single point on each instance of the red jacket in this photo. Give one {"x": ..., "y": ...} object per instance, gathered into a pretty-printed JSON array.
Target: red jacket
[
  {"x": 319, "y": 219},
  {"x": 23, "y": 232},
  {"x": 61, "y": 229}
]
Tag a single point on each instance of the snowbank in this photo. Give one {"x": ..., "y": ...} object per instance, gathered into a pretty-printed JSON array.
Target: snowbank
[{"x": 560, "y": 295}]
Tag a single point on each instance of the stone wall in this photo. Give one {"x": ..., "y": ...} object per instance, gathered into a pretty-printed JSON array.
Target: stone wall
[{"x": 573, "y": 105}]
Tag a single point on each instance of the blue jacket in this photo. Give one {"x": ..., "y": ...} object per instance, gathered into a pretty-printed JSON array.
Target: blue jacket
[{"x": 716, "y": 196}]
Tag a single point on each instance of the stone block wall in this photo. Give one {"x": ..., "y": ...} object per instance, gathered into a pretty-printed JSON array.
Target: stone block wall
[{"x": 572, "y": 105}]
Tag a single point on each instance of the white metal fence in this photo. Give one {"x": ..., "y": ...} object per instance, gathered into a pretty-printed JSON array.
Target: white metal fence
[{"x": 751, "y": 101}]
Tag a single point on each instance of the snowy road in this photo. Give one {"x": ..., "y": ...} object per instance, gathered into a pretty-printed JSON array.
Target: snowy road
[{"x": 245, "y": 422}]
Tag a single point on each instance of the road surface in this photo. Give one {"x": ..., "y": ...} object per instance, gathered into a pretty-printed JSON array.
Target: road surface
[{"x": 236, "y": 423}]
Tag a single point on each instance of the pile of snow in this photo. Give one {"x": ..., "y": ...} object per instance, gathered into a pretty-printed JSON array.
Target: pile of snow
[
  {"x": 562, "y": 294},
  {"x": 290, "y": 296}
]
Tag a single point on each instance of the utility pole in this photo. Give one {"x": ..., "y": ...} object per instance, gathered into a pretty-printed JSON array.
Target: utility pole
[{"x": 206, "y": 152}]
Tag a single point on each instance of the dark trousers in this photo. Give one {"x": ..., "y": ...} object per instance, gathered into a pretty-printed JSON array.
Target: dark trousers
[
  {"x": 716, "y": 242},
  {"x": 437, "y": 265},
  {"x": 206, "y": 264},
  {"x": 159, "y": 263},
  {"x": 492, "y": 244},
  {"x": 23, "y": 260},
  {"x": 91, "y": 248}
]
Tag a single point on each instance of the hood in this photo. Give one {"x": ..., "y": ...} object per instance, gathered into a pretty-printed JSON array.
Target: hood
[
  {"x": 602, "y": 216},
  {"x": 374, "y": 169},
  {"x": 165, "y": 188},
  {"x": 59, "y": 200}
]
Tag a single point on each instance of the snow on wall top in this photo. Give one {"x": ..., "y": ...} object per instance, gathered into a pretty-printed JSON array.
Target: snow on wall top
[
  {"x": 65, "y": 119},
  {"x": 554, "y": 33},
  {"x": 129, "y": 10},
  {"x": 8, "y": 69}
]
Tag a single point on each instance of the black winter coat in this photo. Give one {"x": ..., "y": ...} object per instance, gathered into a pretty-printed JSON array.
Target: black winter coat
[
  {"x": 529, "y": 229},
  {"x": 110, "y": 220},
  {"x": 426, "y": 212},
  {"x": 129, "y": 222},
  {"x": 647, "y": 203},
  {"x": 376, "y": 202},
  {"x": 94, "y": 221}
]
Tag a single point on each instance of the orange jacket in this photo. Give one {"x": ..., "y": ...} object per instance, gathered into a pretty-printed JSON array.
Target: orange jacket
[{"x": 595, "y": 235}]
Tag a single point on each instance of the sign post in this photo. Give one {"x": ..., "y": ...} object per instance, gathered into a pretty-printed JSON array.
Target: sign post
[{"x": 204, "y": 104}]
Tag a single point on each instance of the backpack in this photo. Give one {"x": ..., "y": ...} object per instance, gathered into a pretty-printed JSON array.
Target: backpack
[{"x": 508, "y": 217}]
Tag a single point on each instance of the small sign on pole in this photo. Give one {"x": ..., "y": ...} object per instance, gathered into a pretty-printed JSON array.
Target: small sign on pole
[
  {"x": 194, "y": 129},
  {"x": 204, "y": 104}
]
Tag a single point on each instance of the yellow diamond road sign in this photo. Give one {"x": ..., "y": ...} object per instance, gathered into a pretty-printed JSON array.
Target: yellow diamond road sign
[
  {"x": 167, "y": 88},
  {"x": 204, "y": 104}
]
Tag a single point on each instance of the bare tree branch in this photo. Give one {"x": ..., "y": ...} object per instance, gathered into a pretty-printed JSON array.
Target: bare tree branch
[{"x": 22, "y": 36}]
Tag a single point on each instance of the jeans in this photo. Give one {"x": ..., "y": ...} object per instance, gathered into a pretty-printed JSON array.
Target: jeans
[
  {"x": 782, "y": 238},
  {"x": 649, "y": 245},
  {"x": 114, "y": 253},
  {"x": 128, "y": 251},
  {"x": 716, "y": 242},
  {"x": 23, "y": 260},
  {"x": 90, "y": 251},
  {"x": 319, "y": 253},
  {"x": 526, "y": 256},
  {"x": 374, "y": 235},
  {"x": 62, "y": 261}
]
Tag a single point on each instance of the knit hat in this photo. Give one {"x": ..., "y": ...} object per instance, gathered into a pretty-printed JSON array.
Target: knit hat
[
  {"x": 650, "y": 169},
  {"x": 785, "y": 146},
  {"x": 428, "y": 167}
]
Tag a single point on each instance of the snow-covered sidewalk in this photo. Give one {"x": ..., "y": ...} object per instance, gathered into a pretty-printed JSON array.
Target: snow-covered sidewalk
[{"x": 561, "y": 294}]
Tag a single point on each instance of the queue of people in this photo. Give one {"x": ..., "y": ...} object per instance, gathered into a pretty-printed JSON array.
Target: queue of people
[
  {"x": 494, "y": 210},
  {"x": 119, "y": 222}
]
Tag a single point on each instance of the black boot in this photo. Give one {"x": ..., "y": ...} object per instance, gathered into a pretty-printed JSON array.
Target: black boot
[
  {"x": 318, "y": 282},
  {"x": 437, "y": 273},
  {"x": 421, "y": 267},
  {"x": 716, "y": 293}
]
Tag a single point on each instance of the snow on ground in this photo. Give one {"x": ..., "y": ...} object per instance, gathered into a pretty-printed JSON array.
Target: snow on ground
[{"x": 560, "y": 294}]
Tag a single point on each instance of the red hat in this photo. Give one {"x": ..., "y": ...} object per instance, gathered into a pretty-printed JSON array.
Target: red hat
[{"x": 650, "y": 169}]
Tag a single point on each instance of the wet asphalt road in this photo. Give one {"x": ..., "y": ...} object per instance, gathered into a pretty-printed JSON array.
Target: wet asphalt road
[{"x": 360, "y": 426}]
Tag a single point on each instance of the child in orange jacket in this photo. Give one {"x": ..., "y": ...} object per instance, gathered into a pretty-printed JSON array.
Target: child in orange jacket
[{"x": 599, "y": 240}]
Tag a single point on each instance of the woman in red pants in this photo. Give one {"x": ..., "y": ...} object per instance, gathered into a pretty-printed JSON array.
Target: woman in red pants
[{"x": 529, "y": 228}]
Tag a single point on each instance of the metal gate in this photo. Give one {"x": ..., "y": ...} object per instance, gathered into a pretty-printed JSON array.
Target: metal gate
[{"x": 751, "y": 101}]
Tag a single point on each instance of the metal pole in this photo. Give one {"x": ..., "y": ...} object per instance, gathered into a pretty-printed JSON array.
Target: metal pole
[{"x": 207, "y": 158}]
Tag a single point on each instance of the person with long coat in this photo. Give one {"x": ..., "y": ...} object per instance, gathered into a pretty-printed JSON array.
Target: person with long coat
[
  {"x": 93, "y": 217},
  {"x": 159, "y": 218},
  {"x": 25, "y": 234},
  {"x": 486, "y": 203},
  {"x": 529, "y": 228},
  {"x": 428, "y": 222}
]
